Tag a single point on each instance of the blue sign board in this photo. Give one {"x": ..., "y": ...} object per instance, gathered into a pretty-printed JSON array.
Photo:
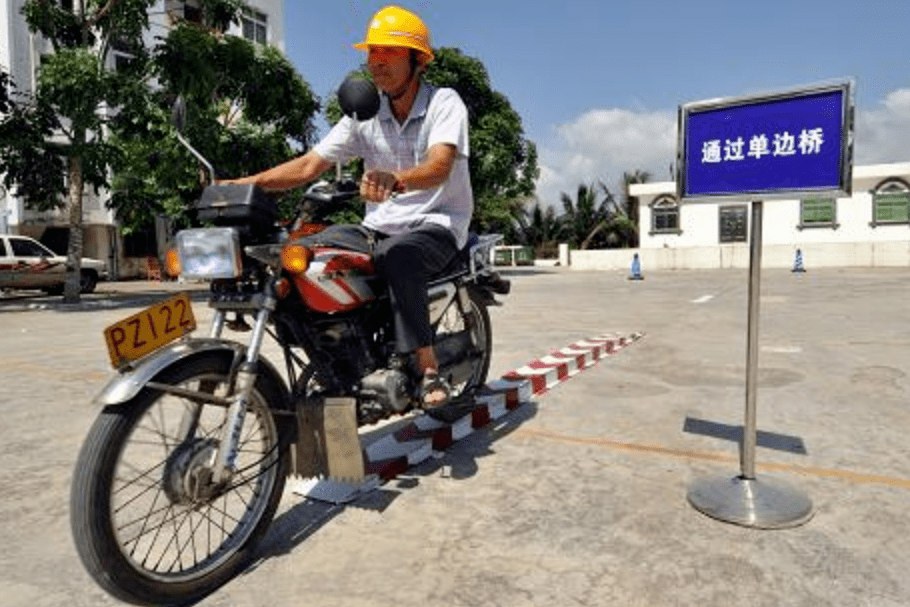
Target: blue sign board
[{"x": 770, "y": 145}]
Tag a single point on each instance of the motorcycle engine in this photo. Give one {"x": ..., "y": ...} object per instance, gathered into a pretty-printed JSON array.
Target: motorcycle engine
[
  {"x": 361, "y": 360},
  {"x": 343, "y": 342},
  {"x": 389, "y": 387}
]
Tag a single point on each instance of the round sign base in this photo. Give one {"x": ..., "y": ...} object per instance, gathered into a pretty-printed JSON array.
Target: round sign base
[{"x": 751, "y": 502}]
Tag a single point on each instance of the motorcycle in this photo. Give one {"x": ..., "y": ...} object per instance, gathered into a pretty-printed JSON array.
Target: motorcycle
[{"x": 181, "y": 474}]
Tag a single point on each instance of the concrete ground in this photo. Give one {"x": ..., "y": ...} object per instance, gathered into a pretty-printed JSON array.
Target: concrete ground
[{"x": 578, "y": 498}]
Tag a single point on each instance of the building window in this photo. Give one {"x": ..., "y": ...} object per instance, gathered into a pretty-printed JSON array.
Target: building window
[
  {"x": 180, "y": 11},
  {"x": 733, "y": 223},
  {"x": 192, "y": 14},
  {"x": 891, "y": 203},
  {"x": 818, "y": 213},
  {"x": 123, "y": 54},
  {"x": 255, "y": 25},
  {"x": 665, "y": 216}
]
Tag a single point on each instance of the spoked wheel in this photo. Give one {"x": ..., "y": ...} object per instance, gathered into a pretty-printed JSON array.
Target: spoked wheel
[
  {"x": 150, "y": 524},
  {"x": 472, "y": 329}
]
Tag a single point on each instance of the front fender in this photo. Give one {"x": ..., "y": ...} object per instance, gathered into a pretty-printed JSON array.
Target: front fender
[{"x": 128, "y": 383}]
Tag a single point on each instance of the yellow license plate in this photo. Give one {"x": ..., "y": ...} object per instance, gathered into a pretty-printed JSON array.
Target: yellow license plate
[{"x": 132, "y": 338}]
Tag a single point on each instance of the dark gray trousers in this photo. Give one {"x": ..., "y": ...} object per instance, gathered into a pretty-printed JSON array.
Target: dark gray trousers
[{"x": 406, "y": 262}]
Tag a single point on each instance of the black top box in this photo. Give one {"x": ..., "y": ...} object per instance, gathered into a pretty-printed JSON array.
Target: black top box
[{"x": 237, "y": 205}]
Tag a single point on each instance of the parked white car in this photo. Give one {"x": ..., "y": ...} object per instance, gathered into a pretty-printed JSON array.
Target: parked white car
[{"x": 25, "y": 263}]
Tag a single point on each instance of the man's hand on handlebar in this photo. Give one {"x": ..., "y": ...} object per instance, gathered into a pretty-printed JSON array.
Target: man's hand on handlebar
[{"x": 378, "y": 186}]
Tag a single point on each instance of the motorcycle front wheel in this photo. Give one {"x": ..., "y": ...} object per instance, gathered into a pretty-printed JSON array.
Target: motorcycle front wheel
[{"x": 148, "y": 525}]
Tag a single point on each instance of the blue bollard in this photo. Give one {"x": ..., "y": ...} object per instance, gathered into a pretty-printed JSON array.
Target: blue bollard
[
  {"x": 636, "y": 269},
  {"x": 798, "y": 262}
]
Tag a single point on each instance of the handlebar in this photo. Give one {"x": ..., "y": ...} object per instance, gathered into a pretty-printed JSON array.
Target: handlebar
[{"x": 326, "y": 192}]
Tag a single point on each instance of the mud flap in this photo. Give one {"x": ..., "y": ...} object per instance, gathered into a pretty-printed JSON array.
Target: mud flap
[
  {"x": 306, "y": 454},
  {"x": 328, "y": 453}
]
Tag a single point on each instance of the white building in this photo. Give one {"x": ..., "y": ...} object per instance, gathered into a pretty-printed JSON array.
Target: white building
[
  {"x": 19, "y": 53},
  {"x": 870, "y": 228}
]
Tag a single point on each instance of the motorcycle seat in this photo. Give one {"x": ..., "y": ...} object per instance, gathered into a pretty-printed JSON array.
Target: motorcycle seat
[{"x": 459, "y": 266}]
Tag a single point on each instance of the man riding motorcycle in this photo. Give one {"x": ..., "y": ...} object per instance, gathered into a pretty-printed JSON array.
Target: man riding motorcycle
[{"x": 416, "y": 181}]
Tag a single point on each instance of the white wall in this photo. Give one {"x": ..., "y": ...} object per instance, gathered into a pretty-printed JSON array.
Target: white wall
[
  {"x": 5, "y": 34},
  {"x": 15, "y": 50},
  {"x": 275, "y": 10},
  {"x": 821, "y": 255},
  {"x": 15, "y": 57},
  {"x": 854, "y": 243}
]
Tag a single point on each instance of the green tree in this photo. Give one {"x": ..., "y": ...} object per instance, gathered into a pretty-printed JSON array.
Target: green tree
[
  {"x": 55, "y": 139},
  {"x": 538, "y": 227},
  {"x": 83, "y": 119},
  {"x": 592, "y": 224},
  {"x": 244, "y": 103},
  {"x": 63, "y": 123},
  {"x": 32, "y": 162},
  {"x": 503, "y": 162},
  {"x": 581, "y": 215}
]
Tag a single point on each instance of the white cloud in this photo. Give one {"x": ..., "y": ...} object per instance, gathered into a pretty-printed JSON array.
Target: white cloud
[
  {"x": 601, "y": 144},
  {"x": 883, "y": 133}
]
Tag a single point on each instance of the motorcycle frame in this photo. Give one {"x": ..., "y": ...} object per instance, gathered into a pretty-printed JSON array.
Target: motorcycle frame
[
  {"x": 248, "y": 363},
  {"x": 316, "y": 449}
]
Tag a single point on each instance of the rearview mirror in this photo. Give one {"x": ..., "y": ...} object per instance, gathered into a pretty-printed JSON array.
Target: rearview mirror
[{"x": 358, "y": 97}]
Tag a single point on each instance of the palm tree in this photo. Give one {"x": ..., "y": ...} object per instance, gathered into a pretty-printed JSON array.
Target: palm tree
[
  {"x": 579, "y": 215},
  {"x": 591, "y": 224},
  {"x": 538, "y": 227}
]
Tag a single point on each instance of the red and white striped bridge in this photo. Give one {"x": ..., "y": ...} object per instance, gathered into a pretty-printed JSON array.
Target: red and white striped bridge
[{"x": 395, "y": 452}]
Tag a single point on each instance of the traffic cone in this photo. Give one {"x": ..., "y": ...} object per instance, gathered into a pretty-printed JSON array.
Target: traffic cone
[
  {"x": 636, "y": 269},
  {"x": 798, "y": 262}
]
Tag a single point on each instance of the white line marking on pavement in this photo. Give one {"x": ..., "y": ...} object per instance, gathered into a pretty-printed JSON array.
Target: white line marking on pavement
[
  {"x": 782, "y": 349},
  {"x": 703, "y": 299}
]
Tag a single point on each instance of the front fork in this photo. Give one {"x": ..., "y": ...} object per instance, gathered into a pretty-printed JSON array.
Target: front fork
[{"x": 223, "y": 463}]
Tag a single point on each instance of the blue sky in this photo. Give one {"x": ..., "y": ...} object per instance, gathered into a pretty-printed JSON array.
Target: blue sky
[{"x": 598, "y": 83}]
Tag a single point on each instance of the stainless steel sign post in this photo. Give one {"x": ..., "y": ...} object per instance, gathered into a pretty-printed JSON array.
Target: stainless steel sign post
[{"x": 780, "y": 145}]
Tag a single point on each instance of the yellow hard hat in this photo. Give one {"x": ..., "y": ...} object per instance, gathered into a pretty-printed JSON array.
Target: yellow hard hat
[{"x": 395, "y": 26}]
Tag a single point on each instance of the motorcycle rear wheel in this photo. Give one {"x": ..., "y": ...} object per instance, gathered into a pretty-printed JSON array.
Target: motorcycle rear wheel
[
  {"x": 477, "y": 321},
  {"x": 142, "y": 531}
]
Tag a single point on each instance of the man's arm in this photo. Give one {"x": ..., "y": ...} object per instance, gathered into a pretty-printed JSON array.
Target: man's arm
[
  {"x": 377, "y": 186},
  {"x": 288, "y": 175}
]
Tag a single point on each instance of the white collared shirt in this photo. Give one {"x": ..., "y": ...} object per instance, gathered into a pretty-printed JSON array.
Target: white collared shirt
[{"x": 437, "y": 116}]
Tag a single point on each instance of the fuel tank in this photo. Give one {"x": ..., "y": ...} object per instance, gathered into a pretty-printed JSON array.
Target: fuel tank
[{"x": 337, "y": 280}]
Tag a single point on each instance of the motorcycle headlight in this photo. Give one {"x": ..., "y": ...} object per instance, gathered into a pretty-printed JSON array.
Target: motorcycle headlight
[{"x": 209, "y": 253}]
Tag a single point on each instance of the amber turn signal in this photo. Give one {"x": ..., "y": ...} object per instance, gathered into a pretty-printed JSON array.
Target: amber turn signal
[
  {"x": 172, "y": 263},
  {"x": 295, "y": 258}
]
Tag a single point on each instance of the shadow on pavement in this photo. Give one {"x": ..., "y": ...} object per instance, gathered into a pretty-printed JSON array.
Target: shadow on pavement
[
  {"x": 768, "y": 440},
  {"x": 23, "y": 301},
  {"x": 458, "y": 462},
  {"x": 515, "y": 271}
]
